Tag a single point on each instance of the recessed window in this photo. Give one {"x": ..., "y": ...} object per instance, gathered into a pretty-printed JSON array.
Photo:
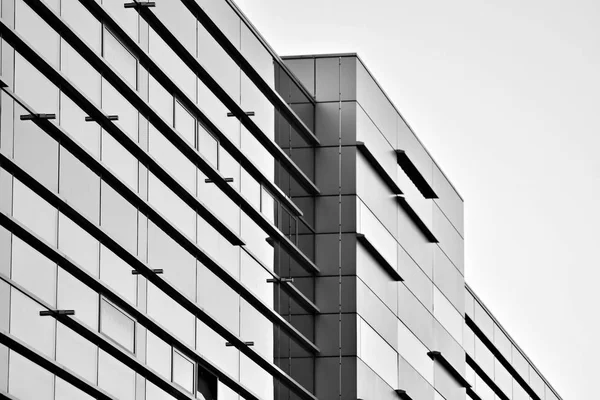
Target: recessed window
[
  {"x": 120, "y": 58},
  {"x": 117, "y": 325},
  {"x": 183, "y": 372}
]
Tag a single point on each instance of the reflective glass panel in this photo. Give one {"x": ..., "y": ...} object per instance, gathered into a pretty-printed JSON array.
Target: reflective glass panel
[
  {"x": 212, "y": 346},
  {"x": 160, "y": 100},
  {"x": 117, "y": 325},
  {"x": 115, "y": 378},
  {"x": 208, "y": 146},
  {"x": 179, "y": 166},
  {"x": 34, "y": 88},
  {"x": 34, "y": 30},
  {"x": 120, "y": 161},
  {"x": 183, "y": 372},
  {"x": 74, "y": 295},
  {"x": 120, "y": 58},
  {"x": 78, "y": 245},
  {"x": 170, "y": 314},
  {"x": 34, "y": 271},
  {"x": 35, "y": 151},
  {"x": 119, "y": 218},
  {"x": 227, "y": 309},
  {"x": 81, "y": 21},
  {"x": 447, "y": 315},
  {"x": 378, "y": 354},
  {"x": 176, "y": 69},
  {"x": 158, "y": 355},
  {"x": 66, "y": 391},
  {"x": 113, "y": 103},
  {"x": 34, "y": 212},
  {"x": 27, "y": 324},
  {"x": 22, "y": 373},
  {"x": 79, "y": 72},
  {"x": 72, "y": 120},
  {"x": 116, "y": 273},
  {"x": 185, "y": 123},
  {"x": 413, "y": 351},
  {"x": 172, "y": 207},
  {"x": 79, "y": 186},
  {"x": 76, "y": 353}
]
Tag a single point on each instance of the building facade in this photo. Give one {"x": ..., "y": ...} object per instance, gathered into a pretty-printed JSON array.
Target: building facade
[{"x": 184, "y": 214}]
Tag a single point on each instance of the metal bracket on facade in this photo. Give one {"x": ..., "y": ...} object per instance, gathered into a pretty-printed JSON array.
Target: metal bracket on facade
[
  {"x": 280, "y": 280},
  {"x": 248, "y": 113},
  {"x": 229, "y": 180},
  {"x": 110, "y": 118},
  {"x": 155, "y": 270},
  {"x": 229, "y": 344},
  {"x": 29, "y": 117},
  {"x": 46, "y": 313},
  {"x": 136, "y": 4}
]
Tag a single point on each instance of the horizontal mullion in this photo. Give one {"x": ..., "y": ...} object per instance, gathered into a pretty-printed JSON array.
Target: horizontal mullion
[
  {"x": 101, "y": 14},
  {"x": 218, "y": 91},
  {"x": 100, "y": 287},
  {"x": 133, "y": 97},
  {"x": 249, "y": 70},
  {"x": 100, "y": 235},
  {"x": 105, "y": 344}
]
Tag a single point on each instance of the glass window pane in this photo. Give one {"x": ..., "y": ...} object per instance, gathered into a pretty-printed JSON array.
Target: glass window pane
[
  {"x": 158, "y": 355},
  {"x": 66, "y": 391},
  {"x": 259, "y": 155},
  {"x": 218, "y": 63},
  {"x": 72, "y": 120},
  {"x": 33, "y": 87},
  {"x": 34, "y": 271},
  {"x": 256, "y": 328},
  {"x": 127, "y": 19},
  {"x": 227, "y": 309},
  {"x": 185, "y": 123},
  {"x": 74, "y": 295},
  {"x": 268, "y": 206},
  {"x": 78, "y": 245},
  {"x": 178, "y": 264},
  {"x": 172, "y": 160},
  {"x": 119, "y": 218},
  {"x": 172, "y": 207},
  {"x": 27, "y": 324},
  {"x": 180, "y": 21},
  {"x": 123, "y": 61},
  {"x": 81, "y": 21},
  {"x": 22, "y": 372},
  {"x": 160, "y": 100},
  {"x": 256, "y": 241},
  {"x": 76, "y": 353},
  {"x": 79, "y": 186},
  {"x": 120, "y": 161},
  {"x": 176, "y": 69},
  {"x": 250, "y": 189},
  {"x": 117, "y": 325},
  {"x": 34, "y": 212},
  {"x": 79, "y": 72},
  {"x": 212, "y": 346},
  {"x": 208, "y": 146},
  {"x": 116, "y": 273},
  {"x": 217, "y": 112},
  {"x": 183, "y": 372},
  {"x": 36, "y": 32},
  {"x": 115, "y": 378},
  {"x": 113, "y": 103},
  {"x": 257, "y": 55},
  {"x": 35, "y": 151},
  {"x": 170, "y": 315},
  {"x": 255, "y": 378},
  {"x": 254, "y": 277}
]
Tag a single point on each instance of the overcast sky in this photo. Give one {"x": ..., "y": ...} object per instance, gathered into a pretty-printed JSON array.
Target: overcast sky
[{"x": 505, "y": 95}]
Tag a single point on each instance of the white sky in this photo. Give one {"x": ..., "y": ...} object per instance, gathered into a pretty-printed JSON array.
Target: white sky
[{"x": 505, "y": 94}]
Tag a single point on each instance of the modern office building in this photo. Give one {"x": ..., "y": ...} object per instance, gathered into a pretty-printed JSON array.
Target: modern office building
[{"x": 184, "y": 214}]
